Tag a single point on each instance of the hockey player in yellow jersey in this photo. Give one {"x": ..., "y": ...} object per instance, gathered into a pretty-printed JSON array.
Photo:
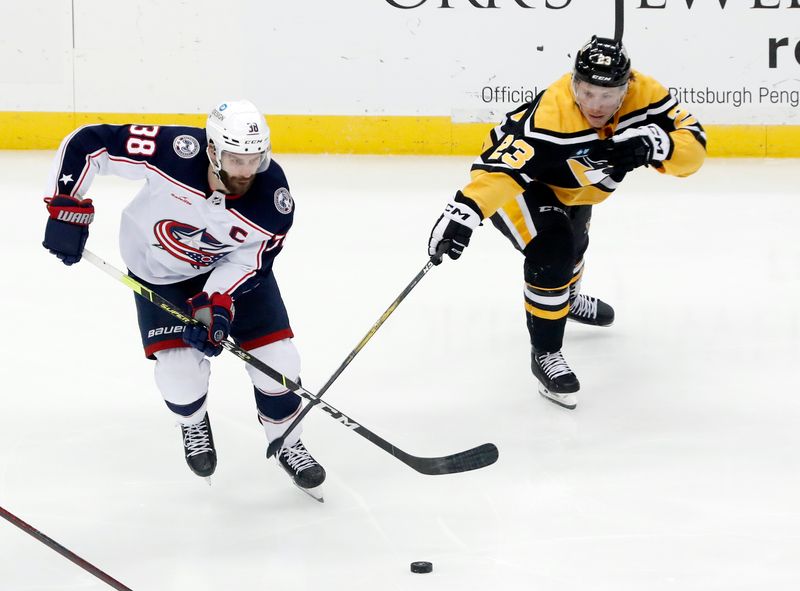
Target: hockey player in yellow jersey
[{"x": 544, "y": 167}]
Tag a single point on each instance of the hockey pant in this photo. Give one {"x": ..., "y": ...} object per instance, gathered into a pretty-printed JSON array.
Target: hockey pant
[{"x": 553, "y": 238}]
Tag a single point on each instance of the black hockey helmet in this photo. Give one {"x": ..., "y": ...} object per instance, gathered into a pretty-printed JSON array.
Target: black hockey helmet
[{"x": 603, "y": 62}]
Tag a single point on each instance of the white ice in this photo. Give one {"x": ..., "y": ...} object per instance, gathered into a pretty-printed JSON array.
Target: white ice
[{"x": 679, "y": 470}]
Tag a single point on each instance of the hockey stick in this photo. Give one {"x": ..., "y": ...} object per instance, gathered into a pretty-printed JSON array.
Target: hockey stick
[
  {"x": 619, "y": 19},
  {"x": 471, "y": 459},
  {"x": 50, "y": 543},
  {"x": 276, "y": 445}
]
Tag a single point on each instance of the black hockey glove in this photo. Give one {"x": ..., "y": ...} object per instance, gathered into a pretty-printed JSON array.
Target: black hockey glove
[
  {"x": 216, "y": 315},
  {"x": 68, "y": 227},
  {"x": 634, "y": 147},
  {"x": 452, "y": 231}
]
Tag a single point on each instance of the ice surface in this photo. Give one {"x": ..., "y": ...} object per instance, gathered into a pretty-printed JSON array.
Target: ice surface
[{"x": 679, "y": 469}]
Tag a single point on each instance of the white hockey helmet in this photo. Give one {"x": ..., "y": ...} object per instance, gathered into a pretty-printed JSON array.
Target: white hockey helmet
[{"x": 238, "y": 127}]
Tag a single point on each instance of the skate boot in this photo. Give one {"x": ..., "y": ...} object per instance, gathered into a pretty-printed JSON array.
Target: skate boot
[
  {"x": 588, "y": 310},
  {"x": 557, "y": 382},
  {"x": 198, "y": 447},
  {"x": 305, "y": 471}
]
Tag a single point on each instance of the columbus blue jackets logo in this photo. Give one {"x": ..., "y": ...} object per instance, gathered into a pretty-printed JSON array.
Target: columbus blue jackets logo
[
  {"x": 189, "y": 244},
  {"x": 283, "y": 200},
  {"x": 186, "y": 146}
]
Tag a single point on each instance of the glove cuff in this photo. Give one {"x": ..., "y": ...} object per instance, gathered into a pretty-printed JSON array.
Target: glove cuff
[
  {"x": 463, "y": 210},
  {"x": 661, "y": 142},
  {"x": 215, "y": 300},
  {"x": 70, "y": 210},
  {"x": 223, "y": 300}
]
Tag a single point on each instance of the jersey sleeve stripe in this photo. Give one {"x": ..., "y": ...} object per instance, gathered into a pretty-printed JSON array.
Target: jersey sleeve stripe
[
  {"x": 61, "y": 156},
  {"x": 86, "y": 168},
  {"x": 156, "y": 170},
  {"x": 250, "y": 274},
  {"x": 642, "y": 114}
]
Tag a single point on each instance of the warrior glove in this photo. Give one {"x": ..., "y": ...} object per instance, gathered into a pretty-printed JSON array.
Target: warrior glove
[
  {"x": 215, "y": 313},
  {"x": 452, "y": 231},
  {"x": 68, "y": 227}
]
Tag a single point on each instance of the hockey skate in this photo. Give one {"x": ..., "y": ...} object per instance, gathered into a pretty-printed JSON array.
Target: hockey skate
[
  {"x": 588, "y": 310},
  {"x": 557, "y": 382},
  {"x": 198, "y": 447},
  {"x": 307, "y": 474}
]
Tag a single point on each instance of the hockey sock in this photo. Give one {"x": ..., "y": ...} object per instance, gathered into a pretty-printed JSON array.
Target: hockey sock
[{"x": 187, "y": 413}]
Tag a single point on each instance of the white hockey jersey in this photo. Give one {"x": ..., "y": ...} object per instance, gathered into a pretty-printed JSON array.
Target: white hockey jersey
[{"x": 176, "y": 228}]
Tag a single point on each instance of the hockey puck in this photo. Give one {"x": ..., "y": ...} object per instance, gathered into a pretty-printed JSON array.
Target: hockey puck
[{"x": 421, "y": 567}]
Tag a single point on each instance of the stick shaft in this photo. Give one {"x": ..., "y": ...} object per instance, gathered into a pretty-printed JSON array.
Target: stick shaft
[
  {"x": 276, "y": 445},
  {"x": 53, "y": 545}
]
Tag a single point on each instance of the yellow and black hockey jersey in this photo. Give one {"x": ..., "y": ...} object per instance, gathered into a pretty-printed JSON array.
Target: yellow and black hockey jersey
[{"x": 548, "y": 140}]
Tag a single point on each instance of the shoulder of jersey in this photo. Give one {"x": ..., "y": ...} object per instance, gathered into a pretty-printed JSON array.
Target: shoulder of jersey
[
  {"x": 556, "y": 113},
  {"x": 181, "y": 153},
  {"x": 269, "y": 203},
  {"x": 182, "y": 143},
  {"x": 646, "y": 96}
]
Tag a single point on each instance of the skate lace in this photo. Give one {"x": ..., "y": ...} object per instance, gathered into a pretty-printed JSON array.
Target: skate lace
[
  {"x": 298, "y": 457},
  {"x": 554, "y": 365},
  {"x": 195, "y": 439},
  {"x": 584, "y": 305}
]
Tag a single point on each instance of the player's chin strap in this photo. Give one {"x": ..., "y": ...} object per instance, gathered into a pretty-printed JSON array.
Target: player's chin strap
[
  {"x": 471, "y": 459},
  {"x": 277, "y": 444},
  {"x": 216, "y": 166}
]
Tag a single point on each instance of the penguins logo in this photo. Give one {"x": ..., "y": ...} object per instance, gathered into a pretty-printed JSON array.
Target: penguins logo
[{"x": 589, "y": 167}]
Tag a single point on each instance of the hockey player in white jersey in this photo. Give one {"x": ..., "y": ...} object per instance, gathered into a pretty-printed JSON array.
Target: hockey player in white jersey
[{"x": 205, "y": 228}]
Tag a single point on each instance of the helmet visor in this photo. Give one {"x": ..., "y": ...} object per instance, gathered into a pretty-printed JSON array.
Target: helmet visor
[
  {"x": 598, "y": 99},
  {"x": 243, "y": 165}
]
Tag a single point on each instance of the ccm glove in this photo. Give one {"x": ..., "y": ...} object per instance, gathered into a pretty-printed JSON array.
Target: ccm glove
[
  {"x": 451, "y": 232},
  {"x": 635, "y": 147},
  {"x": 68, "y": 227},
  {"x": 216, "y": 315}
]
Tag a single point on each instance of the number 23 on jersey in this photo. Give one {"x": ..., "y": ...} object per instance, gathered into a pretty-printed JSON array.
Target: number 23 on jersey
[{"x": 512, "y": 153}]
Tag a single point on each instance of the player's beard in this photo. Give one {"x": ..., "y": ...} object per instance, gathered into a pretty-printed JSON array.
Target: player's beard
[{"x": 237, "y": 185}]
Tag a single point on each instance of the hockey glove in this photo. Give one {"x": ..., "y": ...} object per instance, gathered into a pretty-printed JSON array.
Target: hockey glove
[
  {"x": 68, "y": 227},
  {"x": 216, "y": 315},
  {"x": 452, "y": 231},
  {"x": 635, "y": 147}
]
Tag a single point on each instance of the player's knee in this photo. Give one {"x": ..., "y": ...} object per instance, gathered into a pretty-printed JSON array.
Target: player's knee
[
  {"x": 182, "y": 374},
  {"x": 549, "y": 259},
  {"x": 283, "y": 357},
  {"x": 276, "y": 408}
]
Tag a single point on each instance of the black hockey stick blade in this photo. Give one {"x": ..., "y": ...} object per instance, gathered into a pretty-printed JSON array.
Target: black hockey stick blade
[
  {"x": 619, "y": 19},
  {"x": 464, "y": 461},
  {"x": 472, "y": 459}
]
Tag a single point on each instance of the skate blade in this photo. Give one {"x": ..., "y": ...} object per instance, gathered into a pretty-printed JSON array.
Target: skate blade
[
  {"x": 589, "y": 323},
  {"x": 568, "y": 401},
  {"x": 315, "y": 493}
]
